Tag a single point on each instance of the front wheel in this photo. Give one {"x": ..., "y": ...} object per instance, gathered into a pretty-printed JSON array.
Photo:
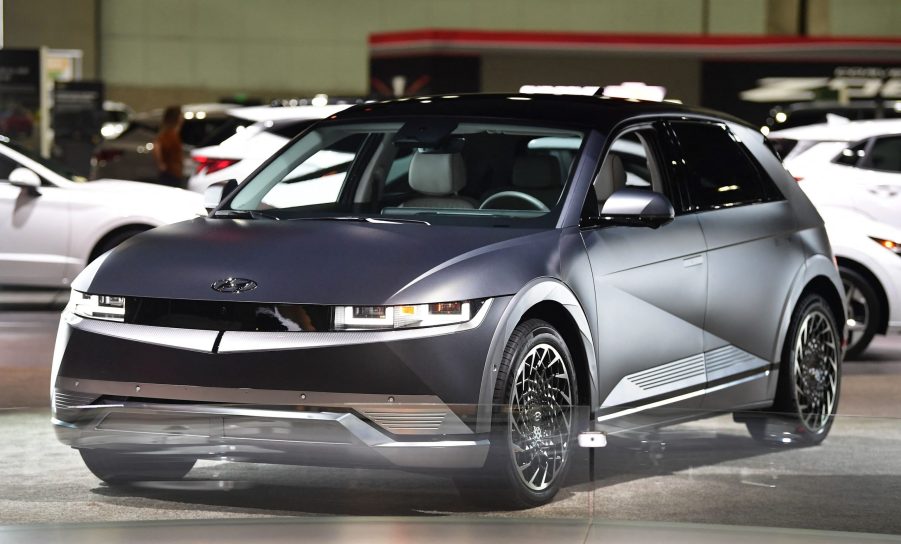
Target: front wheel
[
  {"x": 809, "y": 379},
  {"x": 116, "y": 468},
  {"x": 534, "y": 422}
]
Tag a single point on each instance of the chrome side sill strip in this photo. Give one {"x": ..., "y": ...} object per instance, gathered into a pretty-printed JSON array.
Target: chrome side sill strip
[{"x": 679, "y": 398}]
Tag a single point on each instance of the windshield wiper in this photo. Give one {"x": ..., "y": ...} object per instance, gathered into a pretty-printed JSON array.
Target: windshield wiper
[
  {"x": 246, "y": 214},
  {"x": 363, "y": 220}
]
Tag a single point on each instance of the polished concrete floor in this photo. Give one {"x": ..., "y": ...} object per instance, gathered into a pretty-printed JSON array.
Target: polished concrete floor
[{"x": 707, "y": 472}]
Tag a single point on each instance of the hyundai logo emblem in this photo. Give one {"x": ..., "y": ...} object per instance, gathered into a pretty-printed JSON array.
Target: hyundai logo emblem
[{"x": 234, "y": 285}]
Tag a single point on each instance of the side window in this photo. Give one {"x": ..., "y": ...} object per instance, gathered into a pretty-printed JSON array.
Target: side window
[
  {"x": 717, "y": 172},
  {"x": 629, "y": 163},
  {"x": 7, "y": 165},
  {"x": 851, "y": 155},
  {"x": 884, "y": 154}
]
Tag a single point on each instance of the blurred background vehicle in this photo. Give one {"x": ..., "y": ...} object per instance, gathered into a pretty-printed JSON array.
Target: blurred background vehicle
[
  {"x": 117, "y": 119},
  {"x": 851, "y": 170},
  {"x": 819, "y": 111},
  {"x": 250, "y": 145},
  {"x": 130, "y": 155},
  {"x": 854, "y": 164},
  {"x": 54, "y": 223},
  {"x": 868, "y": 254}
]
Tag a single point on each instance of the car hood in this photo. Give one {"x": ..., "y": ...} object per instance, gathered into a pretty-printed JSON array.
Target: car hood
[{"x": 324, "y": 262}]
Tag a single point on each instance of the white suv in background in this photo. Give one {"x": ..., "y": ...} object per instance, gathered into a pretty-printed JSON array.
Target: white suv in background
[
  {"x": 51, "y": 225},
  {"x": 851, "y": 170},
  {"x": 239, "y": 155}
]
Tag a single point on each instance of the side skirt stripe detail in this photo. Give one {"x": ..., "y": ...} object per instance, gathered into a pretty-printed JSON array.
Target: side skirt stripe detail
[{"x": 680, "y": 398}]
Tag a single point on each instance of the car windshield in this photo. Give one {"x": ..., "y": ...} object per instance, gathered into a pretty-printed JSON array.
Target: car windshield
[{"x": 447, "y": 171}]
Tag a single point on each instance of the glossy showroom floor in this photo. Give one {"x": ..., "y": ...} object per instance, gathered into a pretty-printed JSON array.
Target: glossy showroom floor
[{"x": 707, "y": 472}]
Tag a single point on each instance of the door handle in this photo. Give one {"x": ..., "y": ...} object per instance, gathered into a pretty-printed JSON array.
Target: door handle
[
  {"x": 885, "y": 190},
  {"x": 694, "y": 260}
]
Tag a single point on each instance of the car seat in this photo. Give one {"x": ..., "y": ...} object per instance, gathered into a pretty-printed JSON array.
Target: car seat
[{"x": 438, "y": 176}]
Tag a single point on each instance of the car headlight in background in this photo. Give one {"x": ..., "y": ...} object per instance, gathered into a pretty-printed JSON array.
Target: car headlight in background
[
  {"x": 894, "y": 247},
  {"x": 405, "y": 316},
  {"x": 108, "y": 308}
]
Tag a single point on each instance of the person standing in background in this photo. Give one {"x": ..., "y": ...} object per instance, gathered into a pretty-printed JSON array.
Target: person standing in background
[{"x": 167, "y": 150}]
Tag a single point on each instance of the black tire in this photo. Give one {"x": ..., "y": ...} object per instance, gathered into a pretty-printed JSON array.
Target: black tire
[
  {"x": 857, "y": 281},
  {"x": 789, "y": 422},
  {"x": 114, "y": 239},
  {"x": 118, "y": 468},
  {"x": 500, "y": 484}
]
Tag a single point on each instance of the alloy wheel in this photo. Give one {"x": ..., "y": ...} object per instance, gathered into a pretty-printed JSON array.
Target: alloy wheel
[
  {"x": 858, "y": 312},
  {"x": 816, "y": 357},
  {"x": 541, "y": 416}
]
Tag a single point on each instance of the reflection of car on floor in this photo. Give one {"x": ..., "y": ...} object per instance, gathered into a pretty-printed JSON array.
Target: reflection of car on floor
[
  {"x": 852, "y": 173},
  {"x": 51, "y": 225},
  {"x": 239, "y": 155},
  {"x": 451, "y": 295}
]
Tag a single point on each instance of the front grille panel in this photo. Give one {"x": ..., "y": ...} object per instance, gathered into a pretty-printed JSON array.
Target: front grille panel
[{"x": 227, "y": 316}]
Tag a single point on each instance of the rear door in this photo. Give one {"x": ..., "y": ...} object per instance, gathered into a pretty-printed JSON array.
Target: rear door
[{"x": 752, "y": 257}]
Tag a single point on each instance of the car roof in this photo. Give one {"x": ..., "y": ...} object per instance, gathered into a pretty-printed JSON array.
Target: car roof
[
  {"x": 598, "y": 112},
  {"x": 289, "y": 113},
  {"x": 840, "y": 131}
]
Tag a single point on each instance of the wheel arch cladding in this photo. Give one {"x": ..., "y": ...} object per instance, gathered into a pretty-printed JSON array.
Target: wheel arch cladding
[
  {"x": 823, "y": 286},
  {"x": 551, "y": 300},
  {"x": 875, "y": 284},
  {"x": 558, "y": 317}
]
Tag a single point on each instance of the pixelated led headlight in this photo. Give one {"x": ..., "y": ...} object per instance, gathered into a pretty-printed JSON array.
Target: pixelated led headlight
[
  {"x": 105, "y": 307},
  {"x": 405, "y": 317}
]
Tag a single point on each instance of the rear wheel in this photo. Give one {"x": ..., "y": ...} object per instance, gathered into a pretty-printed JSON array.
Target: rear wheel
[
  {"x": 534, "y": 422},
  {"x": 864, "y": 311},
  {"x": 809, "y": 379},
  {"x": 116, "y": 468}
]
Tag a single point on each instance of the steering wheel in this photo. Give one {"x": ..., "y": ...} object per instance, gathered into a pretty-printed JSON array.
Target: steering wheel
[{"x": 531, "y": 200}]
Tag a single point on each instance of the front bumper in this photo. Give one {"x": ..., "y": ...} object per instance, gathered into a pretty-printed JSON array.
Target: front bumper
[
  {"x": 321, "y": 399},
  {"x": 254, "y": 434}
]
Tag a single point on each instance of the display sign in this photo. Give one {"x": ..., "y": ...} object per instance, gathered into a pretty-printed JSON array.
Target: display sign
[
  {"x": 20, "y": 95},
  {"x": 749, "y": 89},
  {"x": 76, "y": 122},
  {"x": 423, "y": 75}
]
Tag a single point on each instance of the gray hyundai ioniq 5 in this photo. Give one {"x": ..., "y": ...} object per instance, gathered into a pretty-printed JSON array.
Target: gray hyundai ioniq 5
[{"x": 462, "y": 282}]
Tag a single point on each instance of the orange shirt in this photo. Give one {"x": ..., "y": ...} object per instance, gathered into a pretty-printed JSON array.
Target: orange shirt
[{"x": 167, "y": 149}]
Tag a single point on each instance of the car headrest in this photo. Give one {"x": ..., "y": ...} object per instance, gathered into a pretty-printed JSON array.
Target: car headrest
[
  {"x": 437, "y": 174},
  {"x": 536, "y": 172},
  {"x": 611, "y": 177}
]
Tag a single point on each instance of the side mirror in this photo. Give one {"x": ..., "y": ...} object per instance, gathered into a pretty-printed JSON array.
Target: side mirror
[
  {"x": 214, "y": 194},
  {"x": 634, "y": 208},
  {"x": 26, "y": 179}
]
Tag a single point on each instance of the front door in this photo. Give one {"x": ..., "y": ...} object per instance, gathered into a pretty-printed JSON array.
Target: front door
[
  {"x": 34, "y": 232},
  {"x": 651, "y": 288}
]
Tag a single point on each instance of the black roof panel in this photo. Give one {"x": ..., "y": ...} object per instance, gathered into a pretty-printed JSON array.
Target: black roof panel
[{"x": 597, "y": 112}]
